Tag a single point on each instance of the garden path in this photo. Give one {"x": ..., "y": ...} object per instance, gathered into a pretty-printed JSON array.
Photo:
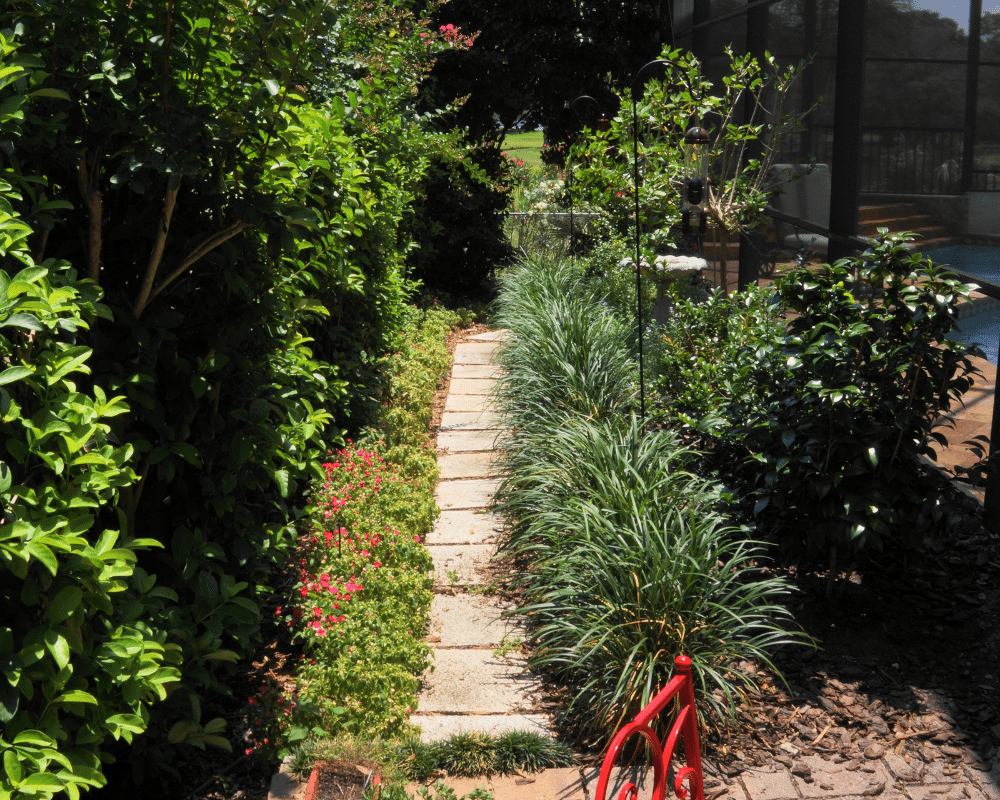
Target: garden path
[{"x": 478, "y": 681}]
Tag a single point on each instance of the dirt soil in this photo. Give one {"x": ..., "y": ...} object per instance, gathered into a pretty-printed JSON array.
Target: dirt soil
[{"x": 341, "y": 781}]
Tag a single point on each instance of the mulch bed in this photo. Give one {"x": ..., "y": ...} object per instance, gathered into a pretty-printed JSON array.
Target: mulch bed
[
  {"x": 339, "y": 780},
  {"x": 908, "y": 661}
]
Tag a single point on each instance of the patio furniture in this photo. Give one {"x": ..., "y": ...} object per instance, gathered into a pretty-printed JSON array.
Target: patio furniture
[
  {"x": 803, "y": 191},
  {"x": 681, "y": 688}
]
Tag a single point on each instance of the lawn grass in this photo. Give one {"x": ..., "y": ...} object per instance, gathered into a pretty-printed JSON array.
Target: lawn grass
[{"x": 526, "y": 146}]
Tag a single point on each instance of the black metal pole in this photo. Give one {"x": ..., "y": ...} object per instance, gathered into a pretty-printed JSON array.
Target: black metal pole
[
  {"x": 971, "y": 94},
  {"x": 638, "y": 254},
  {"x": 845, "y": 170}
]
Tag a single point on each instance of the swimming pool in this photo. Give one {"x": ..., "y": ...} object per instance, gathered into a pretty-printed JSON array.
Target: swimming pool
[
  {"x": 982, "y": 261},
  {"x": 984, "y": 329}
]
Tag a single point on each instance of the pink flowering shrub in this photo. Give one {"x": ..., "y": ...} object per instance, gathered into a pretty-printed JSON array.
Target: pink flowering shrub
[{"x": 362, "y": 598}]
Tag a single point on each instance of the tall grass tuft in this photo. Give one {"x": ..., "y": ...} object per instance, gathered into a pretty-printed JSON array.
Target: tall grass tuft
[{"x": 626, "y": 562}]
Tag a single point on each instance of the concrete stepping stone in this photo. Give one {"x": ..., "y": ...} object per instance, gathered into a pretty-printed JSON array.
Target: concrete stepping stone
[
  {"x": 477, "y": 682},
  {"x": 471, "y": 493},
  {"x": 464, "y": 560},
  {"x": 462, "y": 787},
  {"x": 475, "y": 371},
  {"x": 465, "y": 465},
  {"x": 465, "y": 527},
  {"x": 478, "y": 346},
  {"x": 549, "y": 784},
  {"x": 463, "y": 386},
  {"x": 466, "y": 441},
  {"x": 435, "y": 727},
  {"x": 466, "y": 620},
  {"x": 478, "y": 403},
  {"x": 472, "y": 357},
  {"x": 499, "y": 335},
  {"x": 470, "y": 421}
]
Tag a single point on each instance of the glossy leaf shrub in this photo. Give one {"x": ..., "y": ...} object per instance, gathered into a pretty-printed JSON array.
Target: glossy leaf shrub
[
  {"x": 237, "y": 183},
  {"x": 79, "y": 666},
  {"x": 830, "y": 418}
]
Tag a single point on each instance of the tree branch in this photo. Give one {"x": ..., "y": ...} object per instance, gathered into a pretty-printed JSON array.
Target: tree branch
[
  {"x": 156, "y": 256},
  {"x": 206, "y": 246},
  {"x": 92, "y": 200}
]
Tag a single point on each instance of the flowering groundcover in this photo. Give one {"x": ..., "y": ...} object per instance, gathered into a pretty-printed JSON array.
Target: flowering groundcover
[{"x": 363, "y": 594}]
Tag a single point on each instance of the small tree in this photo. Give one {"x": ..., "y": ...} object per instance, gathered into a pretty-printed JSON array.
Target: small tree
[{"x": 739, "y": 178}]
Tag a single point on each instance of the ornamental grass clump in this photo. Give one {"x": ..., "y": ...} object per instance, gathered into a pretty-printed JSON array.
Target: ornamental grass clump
[{"x": 624, "y": 561}]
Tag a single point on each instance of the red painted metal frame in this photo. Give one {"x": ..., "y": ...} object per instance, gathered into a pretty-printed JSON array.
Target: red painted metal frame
[{"x": 680, "y": 686}]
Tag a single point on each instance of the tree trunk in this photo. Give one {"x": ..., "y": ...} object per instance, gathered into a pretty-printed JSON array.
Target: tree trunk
[{"x": 723, "y": 247}]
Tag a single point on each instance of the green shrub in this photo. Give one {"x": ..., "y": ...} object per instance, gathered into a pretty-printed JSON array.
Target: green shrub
[
  {"x": 365, "y": 576},
  {"x": 79, "y": 664},
  {"x": 829, "y": 419},
  {"x": 240, "y": 183},
  {"x": 700, "y": 354},
  {"x": 475, "y": 754}
]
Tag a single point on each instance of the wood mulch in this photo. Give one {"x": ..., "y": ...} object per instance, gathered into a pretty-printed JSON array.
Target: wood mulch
[{"x": 908, "y": 661}]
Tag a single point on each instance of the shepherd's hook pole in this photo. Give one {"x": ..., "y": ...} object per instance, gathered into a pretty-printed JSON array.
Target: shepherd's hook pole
[{"x": 638, "y": 257}]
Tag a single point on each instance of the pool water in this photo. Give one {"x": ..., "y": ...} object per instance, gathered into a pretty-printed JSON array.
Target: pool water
[
  {"x": 983, "y": 329},
  {"x": 982, "y": 261}
]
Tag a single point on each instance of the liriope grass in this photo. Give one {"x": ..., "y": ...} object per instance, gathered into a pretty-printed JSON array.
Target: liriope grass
[{"x": 625, "y": 562}]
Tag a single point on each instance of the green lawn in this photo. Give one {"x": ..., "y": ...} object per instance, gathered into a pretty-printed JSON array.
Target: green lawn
[{"x": 526, "y": 146}]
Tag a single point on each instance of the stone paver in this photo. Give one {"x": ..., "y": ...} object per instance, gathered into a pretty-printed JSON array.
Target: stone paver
[
  {"x": 465, "y": 527},
  {"x": 769, "y": 784},
  {"x": 464, "y": 371},
  {"x": 476, "y": 682},
  {"x": 642, "y": 777},
  {"x": 435, "y": 727},
  {"x": 550, "y": 784},
  {"x": 470, "y": 421},
  {"x": 464, "y": 560},
  {"x": 469, "y": 493},
  {"x": 827, "y": 777},
  {"x": 478, "y": 357},
  {"x": 478, "y": 386},
  {"x": 469, "y": 402},
  {"x": 478, "y": 346},
  {"x": 284, "y": 785},
  {"x": 461, "y": 786},
  {"x": 465, "y": 620},
  {"x": 466, "y": 441},
  {"x": 465, "y": 465},
  {"x": 499, "y": 335}
]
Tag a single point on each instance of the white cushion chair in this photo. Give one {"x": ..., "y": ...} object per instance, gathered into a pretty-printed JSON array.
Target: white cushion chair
[{"x": 802, "y": 191}]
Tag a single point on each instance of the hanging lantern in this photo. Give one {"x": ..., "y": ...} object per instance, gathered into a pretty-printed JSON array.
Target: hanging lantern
[{"x": 695, "y": 172}]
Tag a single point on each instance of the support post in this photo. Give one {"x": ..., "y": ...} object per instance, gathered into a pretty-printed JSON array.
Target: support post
[
  {"x": 971, "y": 94},
  {"x": 756, "y": 42},
  {"x": 991, "y": 496},
  {"x": 845, "y": 170}
]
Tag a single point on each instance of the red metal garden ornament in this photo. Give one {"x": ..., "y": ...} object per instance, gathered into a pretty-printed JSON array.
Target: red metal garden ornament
[{"x": 680, "y": 686}]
